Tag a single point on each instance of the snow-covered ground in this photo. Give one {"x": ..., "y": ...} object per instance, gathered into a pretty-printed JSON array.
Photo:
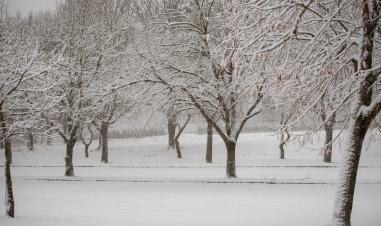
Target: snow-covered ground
[{"x": 145, "y": 184}]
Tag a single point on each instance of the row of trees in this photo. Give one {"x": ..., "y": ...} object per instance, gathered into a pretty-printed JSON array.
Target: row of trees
[{"x": 89, "y": 63}]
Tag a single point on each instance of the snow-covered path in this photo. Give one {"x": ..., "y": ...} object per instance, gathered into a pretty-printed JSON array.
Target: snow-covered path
[{"x": 252, "y": 174}]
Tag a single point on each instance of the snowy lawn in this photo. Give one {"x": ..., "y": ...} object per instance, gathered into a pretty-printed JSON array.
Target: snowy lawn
[{"x": 146, "y": 185}]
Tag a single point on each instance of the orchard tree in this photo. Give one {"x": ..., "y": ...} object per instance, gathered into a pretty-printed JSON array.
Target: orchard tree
[
  {"x": 316, "y": 38},
  {"x": 205, "y": 66},
  {"x": 20, "y": 73},
  {"x": 87, "y": 43}
]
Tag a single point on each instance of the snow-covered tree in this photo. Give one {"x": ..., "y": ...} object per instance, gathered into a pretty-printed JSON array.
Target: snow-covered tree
[
  {"x": 21, "y": 77},
  {"x": 325, "y": 45}
]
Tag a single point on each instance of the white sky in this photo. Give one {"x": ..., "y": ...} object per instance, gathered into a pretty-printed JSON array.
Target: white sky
[{"x": 26, "y": 6}]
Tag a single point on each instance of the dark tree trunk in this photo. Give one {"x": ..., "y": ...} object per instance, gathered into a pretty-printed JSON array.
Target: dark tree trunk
[
  {"x": 9, "y": 200},
  {"x": 230, "y": 160},
  {"x": 281, "y": 147},
  {"x": 1, "y": 140},
  {"x": 172, "y": 124},
  {"x": 104, "y": 135},
  {"x": 10, "y": 203},
  {"x": 178, "y": 149},
  {"x": 209, "y": 143},
  {"x": 177, "y": 137},
  {"x": 69, "y": 169},
  {"x": 327, "y": 153},
  {"x": 84, "y": 142},
  {"x": 30, "y": 140},
  {"x": 284, "y": 137},
  {"x": 87, "y": 150}
]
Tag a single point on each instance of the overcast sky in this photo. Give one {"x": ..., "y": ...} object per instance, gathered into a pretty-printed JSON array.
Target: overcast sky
[{"x": 26, "y": 6}]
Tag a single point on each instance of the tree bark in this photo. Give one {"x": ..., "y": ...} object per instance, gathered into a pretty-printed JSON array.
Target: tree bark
[
  {"x": 30, "y": 140},
  {"x": 178, "y": 149},
  {"x": 69, "y": 169},
  {"x": 1, "y": 140},
  {"x": 177, "y": 137},
  {"x": 10, "y": 203},
  {"x": 209, "y": 143},
  {"x": 104, "y": 135},
  {"x": 87, "y": 150},
  {"x": 172, "y": 124},
  {"x": 84, "y": 142},
  {"x": 360, "y": 120},
  {"x": 327, "y": 153},
  {"x": 99, "y": 140},
  {"x": 230, "y": 160},
  {"x": 281, "y": 146},
  {"x": 348, "y": 172},
  {"x": 49, "y": 138}
]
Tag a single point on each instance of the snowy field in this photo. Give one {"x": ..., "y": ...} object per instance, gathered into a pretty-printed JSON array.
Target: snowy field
[{"x": 145, "y": 184}]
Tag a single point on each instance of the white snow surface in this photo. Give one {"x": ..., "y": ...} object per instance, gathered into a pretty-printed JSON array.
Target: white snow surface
[{"x": 145, "y": 184}]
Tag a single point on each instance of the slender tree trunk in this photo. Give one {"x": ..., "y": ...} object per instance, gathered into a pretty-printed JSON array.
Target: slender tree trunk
[
  {"x": 30, "y": 140},
  {"x": 49, "y": 139},
  {"x": 209, "y": 143},
  {"x": 172, "y": 124},
  {"x": 69, "y": 169},
  {"x": 10, "y": 203},
  {"x": 177, "y": 137},
  {"x": 9, "y": 200},
  {"x": 230, "y": 160},
  {"x": 327, "y": 153},
  {"x": 281, "y": 145},
  {"x": 284, "y": 137},
  {"x": 178, "y": 149},
  {"x": 99, "y": 140},
  {"x": 87, "y": 150},
  {"x": 1, "y": 140},
  {"x": 104, "y": 135},
  {"x": 84, "y": 142}
]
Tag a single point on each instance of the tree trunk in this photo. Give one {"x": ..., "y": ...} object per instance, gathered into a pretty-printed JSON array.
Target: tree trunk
[
  {"x": 99, "y": 140},
  {"x": 178, "y": 149},
  {"x": 209, "y": 143},
  {"x": 1, "y": 140},
  {"x": 30, "y": 140},
  {"x": 49, "y": 138},
  {"x": 69, "y": 169},
  {"x": 348, "y": 172},
  {"x": 87, "y": 150},
  {"x": 327, "y": 153},
  {"x": 281, "y": 146},
  {"x": 104, "y": 135},
  {"x": 230, "y": 160},
  {"x": 284, "y": 137},
  {"x": 359, "y": 122},
  {"x": 10, "y": 203},
  {"x": 172, "y": 124}
]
